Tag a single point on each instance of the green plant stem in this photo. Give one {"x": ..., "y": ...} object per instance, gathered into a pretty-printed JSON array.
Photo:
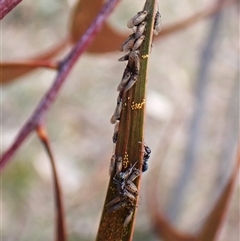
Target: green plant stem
[{"x": 130, "y": 140}]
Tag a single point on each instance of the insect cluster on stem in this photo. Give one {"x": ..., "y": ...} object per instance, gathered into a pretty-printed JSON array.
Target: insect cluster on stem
[
  {"x": 127, "y": 190},
  {"x": 123, "y": 175}
]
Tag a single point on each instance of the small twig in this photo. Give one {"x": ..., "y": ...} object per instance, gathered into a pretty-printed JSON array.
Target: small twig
[
  {"x": 7, "y": 5},
  {"x": 13, "y": 69},
  {"x": 216, "y": 217},
  {"x": 30, "y": 63},
  {"x": 189, "y": 21},
  {"x": 60, "y": 220},
  {"x": 65, "y": 67}
]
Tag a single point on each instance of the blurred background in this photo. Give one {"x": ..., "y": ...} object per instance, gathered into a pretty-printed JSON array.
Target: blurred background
[{"x": 192, "y": 118}]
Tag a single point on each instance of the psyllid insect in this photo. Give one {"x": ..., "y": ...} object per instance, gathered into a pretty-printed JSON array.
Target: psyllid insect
[
  {"x": 131, "y": 82},
  {"x": 129, "y": 195},
  {"x": 137, "y": 19},
  {"x": 124, "y": 175},
  {"x": 115, "y": 132},
  {"x": 134, "y": 175},
  {"x": 116, "y": 204},
  {"x": 128, "y": 218},
  {"x": 124, "y": 58},
  {"x": 125, "y": 78},
  {"x": 138, "y": 43},
  {"x": 157, "y": 26},
  {"x": 134, "y": 61},
  {"x": 112, "y": 165},
  {"x": 131, "y": 187},
  {"x": 128, "y": 43},
  {"x": 114, "y": 201},
  {"x": 126, "y": 188},
  {"x": 117, "y": 113},
  {"x": 131, "y": 56},
  {"x": 119, "y": 165},
  {"x": 140, "y": 30}
]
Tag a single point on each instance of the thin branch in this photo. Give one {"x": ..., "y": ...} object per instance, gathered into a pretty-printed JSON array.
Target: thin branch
[
  {"x": 7, "y": 5},
  {"x": 60, "y": 220},
  {"x": 10, "y": 71},
  {"x": 30, "y": 63},
  {"x": 216, "y": 217},
  {"x": 202, "y": 14},
  {"x": 65, "y": 67}
]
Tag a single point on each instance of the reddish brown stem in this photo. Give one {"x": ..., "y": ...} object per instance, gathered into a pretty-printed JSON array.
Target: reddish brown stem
[
  {"x": 60, "y": 220},
  {"x": 65, "y": 67},
  {"x": 7, "y": 5},
  {"x": 30, "y": 63},
  {"x": 202, "y": 14}
]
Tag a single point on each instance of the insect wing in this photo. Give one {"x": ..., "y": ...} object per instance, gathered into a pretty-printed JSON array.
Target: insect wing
[
  {"x": 138, "y": 42},
  {"x": 133, "y": 55},
  {"x": 130, "y": 38},
  {"x": 114, "y": 201},
  {"x": 113, "y": 119},
  {"x": 112, "y": 165},
  {"x": 118, "y": 109},
  {"x": 140, "y": 30},
  {"x": 157, "y": 27},
  {"x": 131, "y": 187},
  {"x": 128, "y": 172},
  {"x": 126, "y": 76},
  {"x": 128, "y": 44},
  {"x": 117, "y": 112},
  {"x": 115, "y": 133},
  {"x": 119, "y": 165},
  {"x": 131, "y": 82},
  {"x": 128, "y": 218},
  {"x": 130, "y": 196},
  {"x": 134, "y": 61},
  {"x": 137, "y": 19},
  {"x": 134, "y": 175},
  {"x": 124, "y": 58},
  {"x": 116, "y": 204},
  {"x": 130, "y": 23}
]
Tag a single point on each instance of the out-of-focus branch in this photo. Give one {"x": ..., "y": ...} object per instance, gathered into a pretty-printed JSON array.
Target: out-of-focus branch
[
  {"x": 65, "y": 67},
  {"x": 11, "y": 70},
  {"x": 60, "y": 220},
  {"x": 214, "y": 221},
  {"x": 202, "y": 14},
  {"x": 216, "y": 217},
  {"x": 109, "y": 39},
  {"x": 30, "y": 64},
  {"x": 160, "y": 223},
  {"x": 7, "y": 5},
  {"x": 196, "y": 121}
]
